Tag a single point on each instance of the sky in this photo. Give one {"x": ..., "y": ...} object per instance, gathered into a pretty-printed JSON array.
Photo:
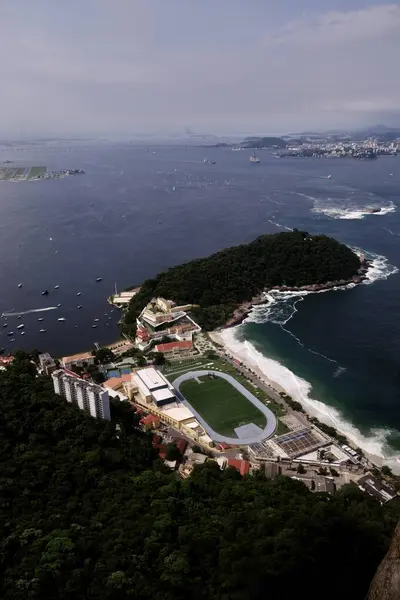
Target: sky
[{"x": 127, "y": 67}]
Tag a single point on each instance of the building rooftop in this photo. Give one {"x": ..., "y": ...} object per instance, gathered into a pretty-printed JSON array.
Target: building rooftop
[
  {"x": 81, "y": 356},
  {"x": 180, "y": 413},
  {"x": 243, "y": 466},
  {"x": 376, "y": 488},
  {"x": 163, "y": 394},
  {"x": 170, "y": 346},
  {"x": 149, "y": 420},
  {"x": 152, "y": 378},
  {"x": 116, "y": 382}
]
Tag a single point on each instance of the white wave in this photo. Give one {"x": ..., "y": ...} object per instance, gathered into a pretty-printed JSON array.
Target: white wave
[
  {"x": 379, "y": 269},
  {"x": 375, "y": 444},
  {"x": 27, "y": 312},
  {"x": 348, "y": 213}
]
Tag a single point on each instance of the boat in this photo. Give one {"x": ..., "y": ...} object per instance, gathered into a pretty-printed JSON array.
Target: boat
[
  {"x": 96, "y": 320},
  {"x": 94, "y": 326},
  {"x": 56, "y": 287},
  {"x": 329, "y": 177},
  {"x": 19, "y": 317},
  {"x": 21, "y": 326},
  {"x": 5, "y": 325},
  {"x": 20, "y": 285},
  {"x": 40, "y": 319},
  {"x": 61, "y": 319},
  {"x": 99, "y": 279},
  {"x": 254, "y": 158},
  {"x": 209, "y": 162},
  {"x": 45, "y": 293},
  {"x": 58, "y": 305},
  {"x": 79, "y": 306},
  {"x": 10, "y": 333},
  {"x": 79, "y": 293},
  {"x": 22, "y": 332},
  {"x": 42, "y": 330},
  {"x": 372, "y": 210}
]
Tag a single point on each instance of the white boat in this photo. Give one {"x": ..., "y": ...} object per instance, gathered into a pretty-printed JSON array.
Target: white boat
[
  {"x": 40, "y": 319},
  {"x": 42, "y": 330},
  {"x": 58, "y": 305},
  {"x": 61, "y": 319},
  {"x": 329, "y": 177},
  {"x": 21, "y": 326},
  {"x": 79, "y": 306},
  {"x": 99, "y": 279},
  {"x": 254, "y": 158},
  {"x": 94, "y": 326},
  {"x": 22, "y": 332},
  {"x": 79, "y": 294},
  {"x": 20, "y": 285},
  {"x": 96, "y": 320}
]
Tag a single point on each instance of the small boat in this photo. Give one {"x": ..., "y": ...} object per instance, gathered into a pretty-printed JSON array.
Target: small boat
[
  {"x": 22, "y": 332},
  {"x": 56, "y": 287},
  {"x": 79, "y": 294},
  {"x": 79, "y": 306},
  {"x": 96, "y": 320},
  {"x": 42, "y": 330},
  {"x": 21, "y": 326},
  {"x": 58, "y": 305},
  {"x": 61, "y": 319},
  {"x": 20, "y": 285},
  {"x": 19, "y": 317},
  {"x": 254, "y": 158},
  {"x": 94, "y": 326},
  {"x": 329, "y": 177},
  {"x": 13, "y": 340},
  {"x": 99, "y": 279},
  {"x": 10, "y": 333},
  {"x": 45, "y": 293},
  {"x": 5, "y": 325},
  {"x": 40, "y": 319}
]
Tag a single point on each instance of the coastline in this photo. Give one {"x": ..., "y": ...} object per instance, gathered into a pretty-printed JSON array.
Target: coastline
[
  {"x": 279, "y": 378},
  {"x": 244, "y": 309}
]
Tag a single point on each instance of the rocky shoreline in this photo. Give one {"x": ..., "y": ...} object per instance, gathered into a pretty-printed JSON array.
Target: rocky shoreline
[{"x": 244, "y": 309}]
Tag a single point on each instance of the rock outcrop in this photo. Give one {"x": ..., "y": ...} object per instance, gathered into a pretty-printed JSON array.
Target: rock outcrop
[{"x": 386, "y": 583}]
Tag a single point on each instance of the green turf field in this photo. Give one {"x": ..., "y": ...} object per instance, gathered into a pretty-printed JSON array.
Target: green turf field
[{"x": 221, "y": 405}]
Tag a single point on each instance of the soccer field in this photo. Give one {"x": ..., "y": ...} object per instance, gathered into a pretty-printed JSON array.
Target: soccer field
[{"x": 221, "y": 405}]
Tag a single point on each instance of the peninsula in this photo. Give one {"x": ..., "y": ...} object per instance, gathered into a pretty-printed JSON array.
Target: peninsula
[{"x": 220, "y": 284}]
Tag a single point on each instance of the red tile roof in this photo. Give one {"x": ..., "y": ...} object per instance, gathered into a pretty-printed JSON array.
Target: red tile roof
[
  {"x": 149, "y": 420},
  {"x": 242, "y": 466},
  {"x": 185, "y": 345}
]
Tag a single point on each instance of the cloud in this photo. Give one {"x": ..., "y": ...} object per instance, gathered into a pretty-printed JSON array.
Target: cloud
[{"x": 105, "y": 68}]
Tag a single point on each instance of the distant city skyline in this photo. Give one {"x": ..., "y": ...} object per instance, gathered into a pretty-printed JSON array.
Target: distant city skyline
[{"x": 133, "y": 67}]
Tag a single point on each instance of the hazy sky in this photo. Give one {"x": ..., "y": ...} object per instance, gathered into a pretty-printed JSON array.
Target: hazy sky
[{"x": 111, "y": 67}]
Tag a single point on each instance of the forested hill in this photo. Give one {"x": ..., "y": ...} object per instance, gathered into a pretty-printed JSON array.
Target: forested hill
[
  {"x": 87, "y": 513},
  {"x": 221, "y": 281}
]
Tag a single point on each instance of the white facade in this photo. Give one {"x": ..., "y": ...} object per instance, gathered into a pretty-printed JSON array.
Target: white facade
[{"x": 89, "y": 397}]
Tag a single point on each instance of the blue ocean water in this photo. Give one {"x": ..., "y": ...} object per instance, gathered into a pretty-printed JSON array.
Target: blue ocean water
[{"x": 135, "y": 213}]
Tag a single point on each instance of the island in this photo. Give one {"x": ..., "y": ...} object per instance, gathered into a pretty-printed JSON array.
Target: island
[{"x": 223, "y": 287}]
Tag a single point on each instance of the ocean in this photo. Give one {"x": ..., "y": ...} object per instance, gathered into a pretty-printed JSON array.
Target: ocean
[{"x": 136, "y": 212}]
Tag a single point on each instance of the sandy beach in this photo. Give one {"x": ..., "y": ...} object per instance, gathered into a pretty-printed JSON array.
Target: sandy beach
[{"x": 280, "y": 379}]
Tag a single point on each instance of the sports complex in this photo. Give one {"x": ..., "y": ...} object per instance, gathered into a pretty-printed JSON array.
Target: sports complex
[{"x": 225, "y": 408}]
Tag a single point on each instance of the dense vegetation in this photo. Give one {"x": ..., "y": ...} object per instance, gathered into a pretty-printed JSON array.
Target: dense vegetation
[
  {"x": 88, "y": 513},
  {"x": 221, "y": 281},
  {"x": 264, "y": 142}
]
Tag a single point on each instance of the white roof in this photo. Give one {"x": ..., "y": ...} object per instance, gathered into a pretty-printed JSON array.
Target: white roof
[
  {"x": 192, "y": 424},
  {"x": 163, "y": 394},
  {"x": 180, "y": 413},
  {"x": 152, "y": 378}
]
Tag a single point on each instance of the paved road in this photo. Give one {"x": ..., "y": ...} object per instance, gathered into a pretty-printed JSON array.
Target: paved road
[{"x": 217, "y": 437}]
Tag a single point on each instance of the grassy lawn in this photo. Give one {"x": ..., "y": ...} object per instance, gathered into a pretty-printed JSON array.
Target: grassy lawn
[{"x": 221, "y": 405}]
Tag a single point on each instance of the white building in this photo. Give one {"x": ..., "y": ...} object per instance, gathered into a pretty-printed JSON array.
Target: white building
[
  {"x": 87, "y": 396},
  {"x": 152, "y": 384}
]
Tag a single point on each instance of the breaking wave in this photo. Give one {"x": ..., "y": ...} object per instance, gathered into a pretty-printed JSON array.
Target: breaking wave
[
  {"x": 279, "y": 308},
  {"x": 280, "y": 377}
]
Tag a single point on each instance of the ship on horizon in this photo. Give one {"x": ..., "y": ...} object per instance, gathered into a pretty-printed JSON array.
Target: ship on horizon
[{"x": 254, "y": 158}]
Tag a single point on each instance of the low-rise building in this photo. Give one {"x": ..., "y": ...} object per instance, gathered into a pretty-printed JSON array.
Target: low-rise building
[
  {"x": 88, "y": 396},
  {"x": 173, "y": 350},
  {"x": 243, "y": 466},
  {"x": 376, "y": 488},
  {"x": 77, "y": 360},
  {"x": 47, "y": 363}
]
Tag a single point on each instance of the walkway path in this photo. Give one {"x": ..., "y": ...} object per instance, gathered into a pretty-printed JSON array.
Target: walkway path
[{"x": 217, "y": 437}]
